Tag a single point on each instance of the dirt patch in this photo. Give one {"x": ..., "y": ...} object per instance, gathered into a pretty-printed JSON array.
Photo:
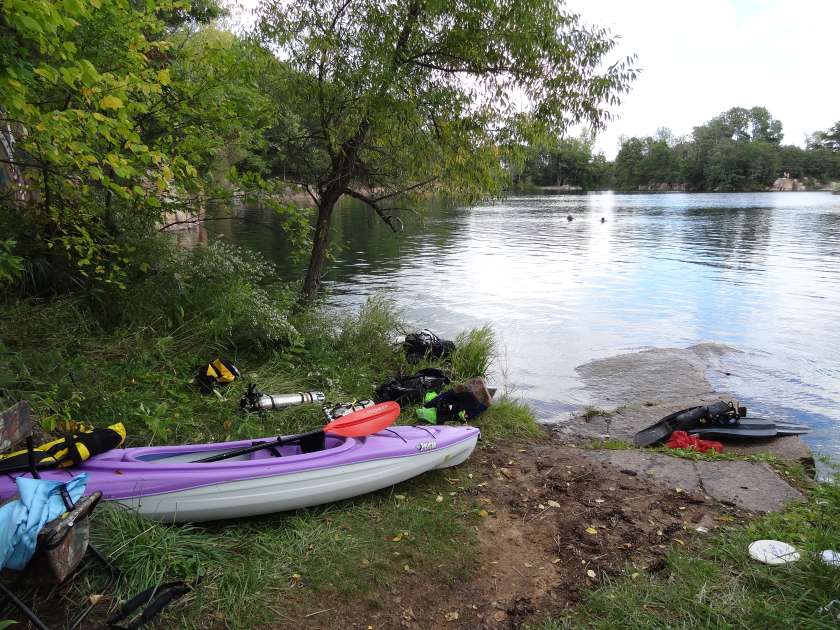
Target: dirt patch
[{"x": 557, "y": 524}]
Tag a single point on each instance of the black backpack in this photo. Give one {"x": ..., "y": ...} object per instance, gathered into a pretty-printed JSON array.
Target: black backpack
[
  {"x": 426, "y": 345},
  {"x": 412, "y": 389}
]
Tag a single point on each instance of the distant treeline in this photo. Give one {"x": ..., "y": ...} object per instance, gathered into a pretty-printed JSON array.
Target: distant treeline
[{"x": 739, "y": 150}]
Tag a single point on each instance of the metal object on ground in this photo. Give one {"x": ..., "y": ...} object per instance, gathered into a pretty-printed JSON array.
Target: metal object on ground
[{"x": 255, "y": 400}]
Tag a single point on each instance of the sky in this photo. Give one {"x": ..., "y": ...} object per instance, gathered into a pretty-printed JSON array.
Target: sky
[{"x": 700, "y": 58}]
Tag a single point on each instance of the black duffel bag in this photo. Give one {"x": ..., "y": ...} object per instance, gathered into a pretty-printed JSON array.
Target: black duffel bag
[{"x": 412, "y": 389}]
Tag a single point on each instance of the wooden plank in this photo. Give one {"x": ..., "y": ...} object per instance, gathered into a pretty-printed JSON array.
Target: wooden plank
[{"x": 14, "y": 425}]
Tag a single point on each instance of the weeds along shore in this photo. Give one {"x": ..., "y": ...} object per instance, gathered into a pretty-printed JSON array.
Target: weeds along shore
[
  {"x": 448, "y": 537},
  {"x": 130, "y": 355}
]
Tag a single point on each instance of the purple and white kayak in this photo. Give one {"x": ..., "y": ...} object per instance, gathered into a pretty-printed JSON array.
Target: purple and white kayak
[{"x": 164, "y": 482}]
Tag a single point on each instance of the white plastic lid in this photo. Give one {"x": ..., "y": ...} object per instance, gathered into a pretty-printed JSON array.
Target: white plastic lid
[
  {"x": 773, "y": 552},
  {"x": 830, "y": 557}
]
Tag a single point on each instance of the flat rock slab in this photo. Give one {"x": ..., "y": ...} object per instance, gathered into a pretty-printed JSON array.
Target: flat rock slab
[
  {"x": 633, "y": 391},
  {"x": 751, "y": 486},
  {"x": 668, "y": 471},
  {"x": 656, "y": 375}
]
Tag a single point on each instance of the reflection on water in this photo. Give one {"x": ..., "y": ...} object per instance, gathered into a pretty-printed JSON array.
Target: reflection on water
[{"x": 759, "y": 272}]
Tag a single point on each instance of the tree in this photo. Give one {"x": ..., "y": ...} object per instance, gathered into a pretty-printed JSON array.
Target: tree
[
  {"x": 395, "y": 99},
  {"x": 565, "y": 162},
  {"x": 112, "y": 112},
  {"x": 826, "y": 139},
  {"x": 629, "y": 164}
]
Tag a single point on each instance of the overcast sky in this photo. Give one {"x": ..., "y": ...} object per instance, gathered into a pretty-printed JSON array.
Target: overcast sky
[{"x": 701, "y": 57}]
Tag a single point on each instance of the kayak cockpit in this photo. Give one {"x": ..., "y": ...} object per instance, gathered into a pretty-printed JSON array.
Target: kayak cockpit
[{"x": 183, "y": 455}]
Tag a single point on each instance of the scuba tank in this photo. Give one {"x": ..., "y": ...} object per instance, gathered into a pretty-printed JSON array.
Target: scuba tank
[{"x": 255, "y": 400}]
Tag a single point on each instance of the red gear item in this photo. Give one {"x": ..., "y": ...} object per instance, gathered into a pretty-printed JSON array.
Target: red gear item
[{"x": 681, "y": 439}]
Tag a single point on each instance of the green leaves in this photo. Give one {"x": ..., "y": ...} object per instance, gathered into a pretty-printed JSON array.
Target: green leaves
[
  {"x": 110, "y": 102},
  {"x": 404, "y": 98},
  {"x": 114, "y": 123}
]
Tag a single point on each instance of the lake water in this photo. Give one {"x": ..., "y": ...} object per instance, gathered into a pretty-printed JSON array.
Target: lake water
[{"x": 759, "y": 272}]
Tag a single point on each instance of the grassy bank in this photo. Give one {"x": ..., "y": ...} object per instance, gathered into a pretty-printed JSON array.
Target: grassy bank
[
  {"x": 714, "y": 583},
  {"x": 131, "y": 355}
]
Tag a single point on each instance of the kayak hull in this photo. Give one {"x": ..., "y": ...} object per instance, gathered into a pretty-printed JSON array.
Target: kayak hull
[
  {"x": 165, "y": 483},
  {"x": 253, "y": 497}
]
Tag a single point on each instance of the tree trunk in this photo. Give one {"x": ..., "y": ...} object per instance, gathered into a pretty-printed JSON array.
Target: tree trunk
[{"x": 319, "y": 249}]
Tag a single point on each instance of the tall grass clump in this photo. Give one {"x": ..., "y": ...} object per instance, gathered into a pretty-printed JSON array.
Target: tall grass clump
[
  {"x": 508, "y": 419},
  {"x": 349, "y": 354},
  {"x": 219, "y": 296},
  {"x": 474, "y": 354},
  {"x": 130, "y": 354}
]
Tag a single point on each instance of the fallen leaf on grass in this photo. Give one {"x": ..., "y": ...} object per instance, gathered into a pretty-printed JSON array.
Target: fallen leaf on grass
[
  {"x": 634, "y": 576},
  {"x": 553, "y": 504},
  {"x": 483, "y": 513},
  {"x": 592, "y": 530},
  {"x": 397, "y": 538}
]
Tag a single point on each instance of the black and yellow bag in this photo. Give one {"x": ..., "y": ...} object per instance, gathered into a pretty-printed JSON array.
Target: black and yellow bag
[
  {"x": 70, "y": 450},
  {"x": 217, "y": 373}
]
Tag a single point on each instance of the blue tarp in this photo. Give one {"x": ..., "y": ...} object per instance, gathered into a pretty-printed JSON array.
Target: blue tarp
[{"x": 21, "y": 520}]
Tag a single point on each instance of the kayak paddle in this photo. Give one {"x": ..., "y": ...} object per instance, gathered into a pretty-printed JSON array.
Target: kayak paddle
[{"x": 360, "y": 423}]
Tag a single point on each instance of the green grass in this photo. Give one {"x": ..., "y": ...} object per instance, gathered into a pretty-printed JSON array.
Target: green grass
[
  {"x": 507, "y": 420},
  {"x": 612, "y": 444},
  {"x": 131, "y": 357},
  {"x": 348, "y": 549},
  {"x": 590, "y": 412},
  {"x": 474, "y": 354},
  {"x": 714, "y": 584}
]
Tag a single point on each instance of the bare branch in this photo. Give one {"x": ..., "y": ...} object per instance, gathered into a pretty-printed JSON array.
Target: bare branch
[{"x": 381, "y": 212}]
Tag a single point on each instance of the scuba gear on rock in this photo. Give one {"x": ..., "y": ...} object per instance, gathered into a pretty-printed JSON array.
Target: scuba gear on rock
[
  {"x": 687, "y": 420},
  {"x": 721, "y": 419}
]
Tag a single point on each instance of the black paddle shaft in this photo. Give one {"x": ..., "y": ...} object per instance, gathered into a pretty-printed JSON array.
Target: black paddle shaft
[{"x": 257, "y": 447}]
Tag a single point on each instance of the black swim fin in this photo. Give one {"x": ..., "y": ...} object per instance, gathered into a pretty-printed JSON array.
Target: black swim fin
[
  {"x": 719, "y": 413},
  {"x": 752, "y": 428}
]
